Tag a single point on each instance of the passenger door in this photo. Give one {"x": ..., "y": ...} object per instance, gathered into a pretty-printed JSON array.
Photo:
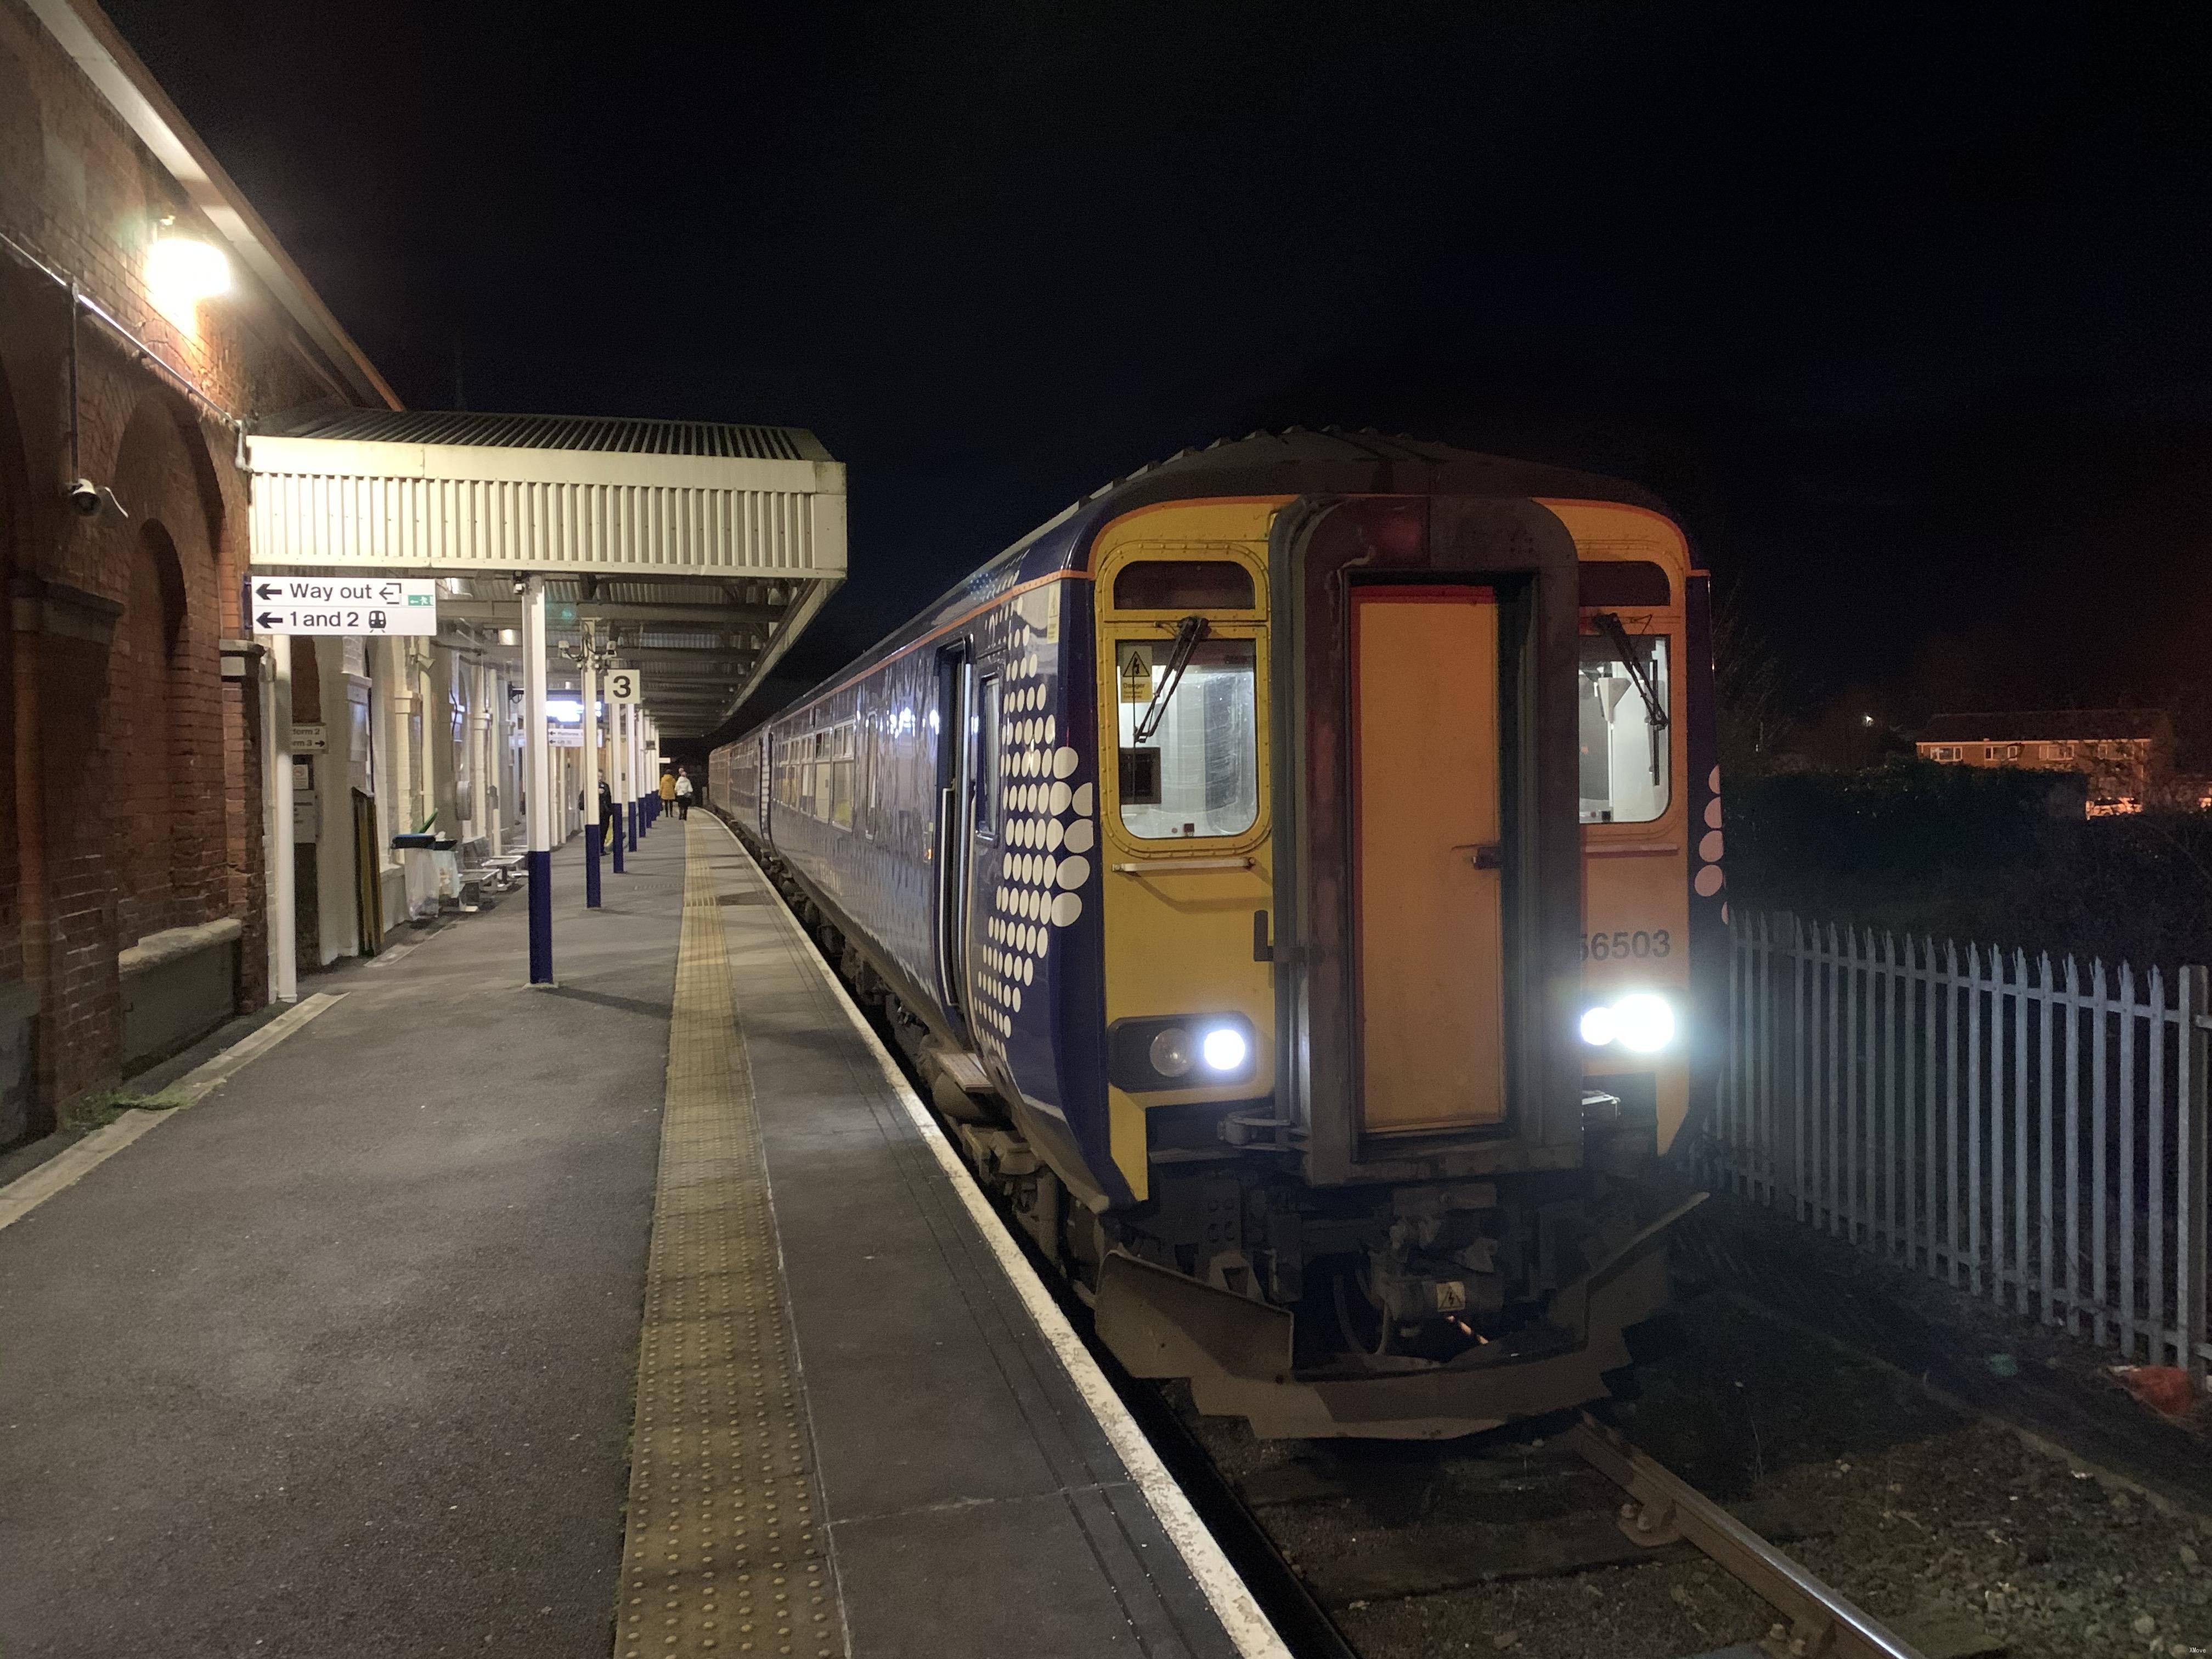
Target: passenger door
[
  {"x": 955, "y": 762},
  {"x": 1429, "y": 887},
  {"x": 1428, "y": 857}
]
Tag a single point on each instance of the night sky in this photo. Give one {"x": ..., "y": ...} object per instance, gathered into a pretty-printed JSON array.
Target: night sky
[{"x": 1905, "y": 311}]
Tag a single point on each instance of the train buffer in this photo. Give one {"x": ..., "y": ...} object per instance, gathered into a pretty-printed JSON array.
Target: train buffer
[{"x": 415, "y": 1313}]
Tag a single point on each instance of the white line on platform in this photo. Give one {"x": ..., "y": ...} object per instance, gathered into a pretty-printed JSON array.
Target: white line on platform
[
  {"x": 1223, "y": 1587},
  {"x": 65, "y": 1168}
]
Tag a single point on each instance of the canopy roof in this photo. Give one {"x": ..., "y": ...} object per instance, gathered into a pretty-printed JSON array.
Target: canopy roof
[{"x": 699, "y": 548}]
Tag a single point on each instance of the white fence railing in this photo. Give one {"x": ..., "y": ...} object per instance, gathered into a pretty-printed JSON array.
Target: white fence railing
[{"x": 2031, "y": 1133}]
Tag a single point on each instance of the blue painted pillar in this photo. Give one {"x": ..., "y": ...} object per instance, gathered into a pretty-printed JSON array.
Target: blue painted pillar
[
  {"x": 638, "y": 768},
  {"x": 539, "y": 758},
  {"x": 594, "y": 828}
]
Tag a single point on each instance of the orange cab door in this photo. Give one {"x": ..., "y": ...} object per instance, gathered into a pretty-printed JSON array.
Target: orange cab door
[{"x": 1427, "y": 858}]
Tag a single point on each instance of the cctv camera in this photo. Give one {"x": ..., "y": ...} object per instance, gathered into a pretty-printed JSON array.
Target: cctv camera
[{"x": 83, "y": 498}]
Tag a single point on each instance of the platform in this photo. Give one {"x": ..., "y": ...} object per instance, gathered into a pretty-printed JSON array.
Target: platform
[{"x": 341, "y": 1359}]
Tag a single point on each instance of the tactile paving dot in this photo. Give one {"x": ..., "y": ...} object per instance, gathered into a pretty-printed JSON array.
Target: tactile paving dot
[{"x": 720, "y": 1447}]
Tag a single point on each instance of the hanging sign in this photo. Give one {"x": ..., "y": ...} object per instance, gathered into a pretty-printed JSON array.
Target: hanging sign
[
  {"x": 342, "y": 604},
  {"x": 625, "y": 685}
]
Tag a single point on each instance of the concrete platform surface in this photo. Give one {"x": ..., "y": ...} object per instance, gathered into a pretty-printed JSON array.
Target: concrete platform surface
[
  {"x": 341, "y": 1359},
  {"x": 975, "y": 1505},
  {"x": 338, "y": 1361}
]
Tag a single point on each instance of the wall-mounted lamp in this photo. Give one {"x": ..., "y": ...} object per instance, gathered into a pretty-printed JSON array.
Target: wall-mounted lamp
[{"x": 180, "y": 272}]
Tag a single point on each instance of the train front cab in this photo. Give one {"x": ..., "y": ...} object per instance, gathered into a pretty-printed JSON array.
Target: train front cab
[{"x": 1363, "y": 886}]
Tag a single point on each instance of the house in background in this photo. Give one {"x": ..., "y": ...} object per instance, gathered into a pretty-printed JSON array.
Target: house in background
[{"x": 2125, "y": 754}]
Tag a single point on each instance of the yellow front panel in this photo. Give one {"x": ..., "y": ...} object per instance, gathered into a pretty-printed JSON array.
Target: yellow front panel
[
  {"x": 1636, "y": 897},
  {"x": 1178, "y": 913},
  {"x": 1431, "y": 981}
]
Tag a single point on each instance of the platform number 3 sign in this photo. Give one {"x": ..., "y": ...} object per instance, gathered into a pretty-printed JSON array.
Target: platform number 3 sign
[{"x": 623, "y": 685}]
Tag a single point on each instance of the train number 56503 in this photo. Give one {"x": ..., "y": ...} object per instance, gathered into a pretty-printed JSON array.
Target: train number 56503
[{"x": 1604, "y": 947}]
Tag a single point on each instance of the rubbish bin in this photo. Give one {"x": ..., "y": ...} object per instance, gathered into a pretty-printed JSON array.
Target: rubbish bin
[{"x": 433, "y": 866}]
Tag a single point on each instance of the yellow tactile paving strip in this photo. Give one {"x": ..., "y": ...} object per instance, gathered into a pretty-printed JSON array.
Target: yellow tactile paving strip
[{"x": 724, "y": 1553}]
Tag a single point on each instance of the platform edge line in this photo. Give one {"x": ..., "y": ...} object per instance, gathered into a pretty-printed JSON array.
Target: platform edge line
[
  {"x": 1247, "y": 1627},
  {"x": 66, "y": 1168}
]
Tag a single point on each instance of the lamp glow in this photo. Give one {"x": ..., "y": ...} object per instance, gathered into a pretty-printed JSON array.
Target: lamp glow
[
  {"x": 1224, "y": 1048},
  {"x": 1644, "y": 1022},
  {"x": 180, "y": 272},
  {"x": 1599, "y": 1027}
]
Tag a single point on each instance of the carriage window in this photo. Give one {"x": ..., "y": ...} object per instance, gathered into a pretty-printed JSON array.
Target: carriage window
[
  {"x": 1197, "y": 771},
  {"x": 1625, "y": 754},
  {"x": 840, "y": 776},
  {"x": 1183, "y": 584},
  {"x": 987, "y": 760}
]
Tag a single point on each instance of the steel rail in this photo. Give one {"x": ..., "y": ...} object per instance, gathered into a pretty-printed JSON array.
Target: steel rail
[{"x": 1663, "y": 1508}]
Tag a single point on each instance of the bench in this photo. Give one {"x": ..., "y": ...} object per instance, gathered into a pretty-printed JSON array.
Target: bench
[{"x": 497, "y": 874}]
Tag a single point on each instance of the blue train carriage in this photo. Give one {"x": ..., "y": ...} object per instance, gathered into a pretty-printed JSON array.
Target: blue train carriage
[{"x": 1291, "y": 868}]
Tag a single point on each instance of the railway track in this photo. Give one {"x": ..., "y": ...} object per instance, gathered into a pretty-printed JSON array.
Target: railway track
[
  {"x": 1662, "y": 1508},
  {"x": 1658, "y": 1516}
]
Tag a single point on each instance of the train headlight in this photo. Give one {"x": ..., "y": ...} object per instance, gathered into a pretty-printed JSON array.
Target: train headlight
[
  {"x": 1223, "y": 1049},
  {"x": 1170, "y": 1052},
  {"x": 1640, "y": 1021},
  {"x": 1645, "y": 1022},
  {"x": 1181, "y": 1051}
]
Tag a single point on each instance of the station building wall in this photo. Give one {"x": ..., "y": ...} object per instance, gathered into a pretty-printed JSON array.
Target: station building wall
[{"x": 132, "y": 765}]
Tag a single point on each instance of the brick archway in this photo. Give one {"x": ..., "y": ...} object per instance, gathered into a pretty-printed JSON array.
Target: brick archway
[{"x": 159, "y": 786}]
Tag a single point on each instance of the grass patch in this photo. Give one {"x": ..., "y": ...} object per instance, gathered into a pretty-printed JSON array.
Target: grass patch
[{"x": 97, "y": 1111}]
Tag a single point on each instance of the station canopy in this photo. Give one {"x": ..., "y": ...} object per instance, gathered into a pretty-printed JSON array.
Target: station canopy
[{"x": 699, "y": 549}]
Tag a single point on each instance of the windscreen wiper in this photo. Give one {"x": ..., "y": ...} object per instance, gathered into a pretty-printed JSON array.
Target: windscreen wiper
[
  {"x": 1189, "y": 632},
  {"x": 1632, "y": 660}
]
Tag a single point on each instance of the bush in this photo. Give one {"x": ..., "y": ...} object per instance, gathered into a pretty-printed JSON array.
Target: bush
[{"x": 1991, "y": 856}]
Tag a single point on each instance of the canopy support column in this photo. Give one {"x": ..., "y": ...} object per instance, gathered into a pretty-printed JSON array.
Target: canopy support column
[
  {"x": 284, "y": 862},
  {"x": 595, "y": 829},
  {"x": 539, "y": 760},
  {"x": 637, "y": 763},
  {"x": 618, "y": 729}
]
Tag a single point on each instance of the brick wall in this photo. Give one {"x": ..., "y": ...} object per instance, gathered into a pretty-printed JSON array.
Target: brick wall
[{"x": 134, "y": 769}]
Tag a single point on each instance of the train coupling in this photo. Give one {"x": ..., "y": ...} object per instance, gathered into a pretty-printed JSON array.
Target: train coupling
[{"x": 1237, "y": 1352}]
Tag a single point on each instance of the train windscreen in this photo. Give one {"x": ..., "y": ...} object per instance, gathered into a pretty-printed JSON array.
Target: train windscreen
[{"x": 1625, "y": 748}]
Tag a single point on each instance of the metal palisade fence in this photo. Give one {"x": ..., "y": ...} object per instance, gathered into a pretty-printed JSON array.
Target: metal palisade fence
[{"x": 2030, "y": 1132}]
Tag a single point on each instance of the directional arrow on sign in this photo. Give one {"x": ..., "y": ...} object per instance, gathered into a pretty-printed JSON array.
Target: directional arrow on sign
[{"x": 340, "y": 604}]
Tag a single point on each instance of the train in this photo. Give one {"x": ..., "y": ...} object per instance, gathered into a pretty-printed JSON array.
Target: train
[{"x": 1295, "y": 871}]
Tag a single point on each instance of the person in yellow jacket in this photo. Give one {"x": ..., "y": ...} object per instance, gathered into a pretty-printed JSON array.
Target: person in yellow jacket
[{"x": 668, "y": 792}]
